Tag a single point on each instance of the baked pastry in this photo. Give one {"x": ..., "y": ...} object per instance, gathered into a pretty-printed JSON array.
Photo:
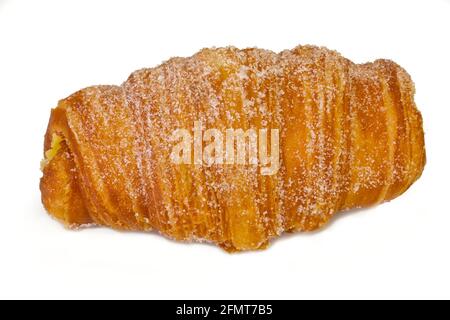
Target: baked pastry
[{"x": 349, "y": 136}]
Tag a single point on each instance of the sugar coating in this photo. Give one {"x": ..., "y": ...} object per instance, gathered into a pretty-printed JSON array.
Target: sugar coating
[{"x": 350, "y": 136}]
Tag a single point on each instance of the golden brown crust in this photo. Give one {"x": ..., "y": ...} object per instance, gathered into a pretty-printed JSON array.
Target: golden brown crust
[{"x": 350, "y": 136}]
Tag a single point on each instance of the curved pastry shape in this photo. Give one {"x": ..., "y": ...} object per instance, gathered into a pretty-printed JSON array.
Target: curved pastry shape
[{"x": 350, "y": 136}]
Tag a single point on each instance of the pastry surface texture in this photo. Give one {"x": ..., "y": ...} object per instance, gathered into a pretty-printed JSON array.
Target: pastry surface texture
[{"x": 350, "y": 136}]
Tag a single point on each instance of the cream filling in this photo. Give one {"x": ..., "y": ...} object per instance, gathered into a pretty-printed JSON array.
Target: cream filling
[{"x": 51, "y": 153}]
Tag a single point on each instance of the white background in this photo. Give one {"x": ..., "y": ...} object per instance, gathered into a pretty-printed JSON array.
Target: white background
[{"x": 49, "y": 49}]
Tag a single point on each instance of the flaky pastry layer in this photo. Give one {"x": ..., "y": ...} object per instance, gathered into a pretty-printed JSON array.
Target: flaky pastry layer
[{"x": 350, "y": 136}]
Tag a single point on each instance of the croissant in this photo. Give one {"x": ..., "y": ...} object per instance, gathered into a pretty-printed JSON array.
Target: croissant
[{"x": 343, "y": 136}]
